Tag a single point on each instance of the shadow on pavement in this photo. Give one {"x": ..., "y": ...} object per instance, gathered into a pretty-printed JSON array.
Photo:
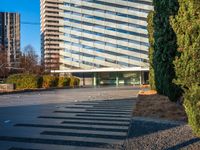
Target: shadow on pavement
[
  {"x": 141, "y": 127},
  {"x": 90, "y": 124},
  {"x": 184, "y": 144}
]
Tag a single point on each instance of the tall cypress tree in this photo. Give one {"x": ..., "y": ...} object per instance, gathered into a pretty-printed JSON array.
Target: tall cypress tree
[
  {"x": 187, "y": 28},
  {"x": 165, "y": 48},
  {"x": 151, "y": 50}
]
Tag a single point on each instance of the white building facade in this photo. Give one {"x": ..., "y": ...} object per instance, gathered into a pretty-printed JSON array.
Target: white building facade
[{"x": 109, "y": 36}]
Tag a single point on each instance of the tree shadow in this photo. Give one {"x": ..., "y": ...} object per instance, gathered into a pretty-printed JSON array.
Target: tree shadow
[
  {"x": 184, "y": 144},
  {"x": 142, "y": 126}
]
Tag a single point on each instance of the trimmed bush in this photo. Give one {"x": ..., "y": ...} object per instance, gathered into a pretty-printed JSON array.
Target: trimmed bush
[
  {"x": 25, "y": 81},
  {"x": 63, "y": 81},
  {"x": 31, "y": 81},
  {"x": 74, "y": 81},
  {"x": 49, "y": 81},
  {"x": 192, "y": 108}
]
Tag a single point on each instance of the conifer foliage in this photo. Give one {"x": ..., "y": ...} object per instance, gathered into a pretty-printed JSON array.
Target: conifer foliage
[
  {"x": 186, "y": 25},
  {"x": 163, "y": 48},
  {"x": 174, "y": 36},
  {"x": 151, "y": 50},
  {"x": 187, "y": 28}
]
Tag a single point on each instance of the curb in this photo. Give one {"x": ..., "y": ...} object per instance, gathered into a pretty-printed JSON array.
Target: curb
[
  {"x": 37, "y": 90},
  {"x": 157, "y": 120}
]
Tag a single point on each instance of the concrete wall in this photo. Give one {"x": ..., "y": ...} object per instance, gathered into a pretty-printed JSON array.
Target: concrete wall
[
  {"x": 88, "y": 82},
  {"x": 6, "y": 87}
]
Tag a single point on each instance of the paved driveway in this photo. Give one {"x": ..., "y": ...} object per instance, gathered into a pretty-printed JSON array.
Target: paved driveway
[{"x": 90, "y": 118}]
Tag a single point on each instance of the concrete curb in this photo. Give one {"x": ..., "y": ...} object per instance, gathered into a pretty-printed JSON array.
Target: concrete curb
[
  {"x": 37, "y": 90},
  {"x": 155, "y": 120}
]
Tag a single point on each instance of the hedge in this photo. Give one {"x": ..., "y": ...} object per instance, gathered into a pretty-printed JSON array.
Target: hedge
[
  {"x": 49, "y": 81},
  {"x": 74, "y": 81},
  {"x": 63, "y": 81},
  {"x": 25, "y": 81},
  {"x": 31, "y": 81}
]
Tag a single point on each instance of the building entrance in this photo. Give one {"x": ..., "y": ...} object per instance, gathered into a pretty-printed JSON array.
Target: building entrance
[{"x": 120, "y": 78}]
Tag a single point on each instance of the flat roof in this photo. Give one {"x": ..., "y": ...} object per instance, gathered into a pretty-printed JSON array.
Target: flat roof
[{"x": 101, "y": 70}]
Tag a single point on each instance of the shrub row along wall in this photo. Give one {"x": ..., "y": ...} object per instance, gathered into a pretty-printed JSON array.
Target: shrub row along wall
[
  {"x": 30, "y": 81},
  {"x": 174, "y": 35},
  {"x": 186, "y": 25},
  {"x": 25, "y": 81}
]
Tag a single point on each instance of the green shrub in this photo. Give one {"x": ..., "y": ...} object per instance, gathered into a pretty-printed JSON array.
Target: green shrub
[
  {"x": 25, "y": 81},
  {"x": 77, "y": 81},
  {"x": 74, "y": 81},
  {"x": 49, "y": 81},
  {"x": 63, "y": 81},
  {"x": 31, "y": 81},
  {"x": 192, "y": 107}
]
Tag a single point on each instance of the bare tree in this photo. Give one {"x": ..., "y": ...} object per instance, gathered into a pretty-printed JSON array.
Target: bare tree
[
  {"x": 29, "y": 61},
  {"x": 3, "y": 63}
]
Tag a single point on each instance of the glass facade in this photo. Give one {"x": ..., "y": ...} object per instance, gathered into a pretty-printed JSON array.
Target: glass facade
[
  {"x": 103, "y": 34},
  {"x": 118, "y": 78},
  {"x": 107, "y": 38}
]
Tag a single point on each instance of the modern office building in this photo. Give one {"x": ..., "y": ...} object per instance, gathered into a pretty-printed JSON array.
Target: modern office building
[
  {"x": 104, "y": 40},
  {"x": 50, "y": 15},
  {"x": 10, "y": 37}
]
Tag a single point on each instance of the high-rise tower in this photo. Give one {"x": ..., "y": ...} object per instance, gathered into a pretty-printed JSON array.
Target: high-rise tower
[
  {"x": 10, "y": 37},
  {"x": 88, "y": 35},
  {"x": 50, "y": 34}
]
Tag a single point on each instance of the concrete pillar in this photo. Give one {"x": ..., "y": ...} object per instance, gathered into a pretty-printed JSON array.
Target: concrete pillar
[
  {"x": 140, "y": 78},
  {"x": 117, "y": 79},
  {"x": 83, "y": 79},
  {"x": 95, "y": 80}
]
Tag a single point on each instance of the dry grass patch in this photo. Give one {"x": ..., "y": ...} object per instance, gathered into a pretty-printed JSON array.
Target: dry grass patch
[
  {"x": 152, "y": 105},
  {"x": 150, "y": 92},
  {"x": 145, "y": 86}
]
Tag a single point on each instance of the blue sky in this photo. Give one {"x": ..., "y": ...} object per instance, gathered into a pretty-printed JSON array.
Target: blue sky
[{"x": 30, "y": 12}]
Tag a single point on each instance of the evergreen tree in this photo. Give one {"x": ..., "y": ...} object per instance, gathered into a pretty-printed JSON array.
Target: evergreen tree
[
  {"x": 165, "y": 48},
  {"x": 187, "y": 28},
  {"x": 151, "y": 50}
]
